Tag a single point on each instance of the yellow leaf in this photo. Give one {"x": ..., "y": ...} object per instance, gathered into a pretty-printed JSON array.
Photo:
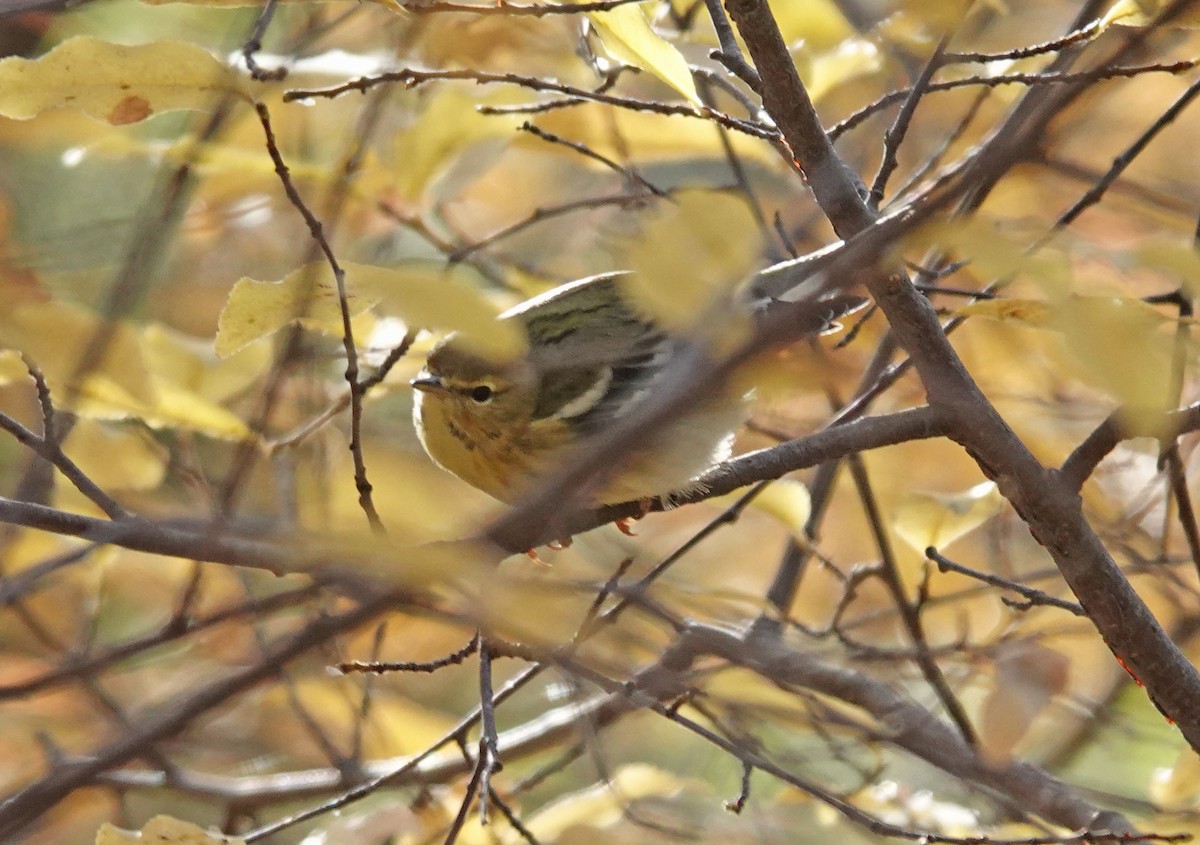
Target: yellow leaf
[
  {"x": 918, "y": 24},
  {"x": 448, "y": 125},
  {"x": 1145, "y": 12},
  {"x": 1118, "y": 347},
  {"x": 116, "y": 457},
  {"x": 128, "y": 380},
  {"x": 642, "y": 136},
  {"x": 1031, "y": 312},
  {"x": 605, "y": 804},
  {"x": 994, "y": 251},
  {"x": 1180, "y": 259},
  {"x": 114, "y": 82},
  {"x": 179, "y": 408},
  {"x": 190, "y": 363},
  {"x": 12, "y": 368},
  {"x": 56, "y": 335},
  {"x": 432, "y": 296},
  {"x": 852, "y": 59},
  {"x": 164, "y": 830},
  {"x": 937, "y": 519},
  {"x": 785, "y": 500},
  {"x": 689, "y": 256},
  {"x": 257, "y": 309},
  {"x": 1177, "y": 787},
  {"x": 629, "y": 38},
  {"x": 820, "y": 24},
  {"x": 424, "y": 295}
]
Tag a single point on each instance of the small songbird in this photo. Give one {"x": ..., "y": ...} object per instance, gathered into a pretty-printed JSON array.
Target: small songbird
[{"x": 591, "y": 356}]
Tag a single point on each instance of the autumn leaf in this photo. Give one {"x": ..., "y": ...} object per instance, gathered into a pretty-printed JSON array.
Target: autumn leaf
[
  {"x": 938, "y": 519},
  {"x": 164, "y": 830},
  {"x": 114, "y": 82},
  {"x": 689, "y": 255},
  {"x": 629, "y": 38},
  {"x": 424, "y": 295}
]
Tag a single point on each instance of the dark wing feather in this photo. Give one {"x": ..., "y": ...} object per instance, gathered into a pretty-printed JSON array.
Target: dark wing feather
[{"x": 594, "y": 354}]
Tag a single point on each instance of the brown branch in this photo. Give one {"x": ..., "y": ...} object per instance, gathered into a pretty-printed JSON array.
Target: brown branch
[
  {"x": 910, "y": 612},
  {"x": 317, "y": 231},
  {"x": 764, "y": 465},
  {"x": 410, "y": 77},
  {"x": 837, "y": 188},
  {"x": 22, "y": 808},
  {"x": 1049, "y": 506},
  {"x": 1031, "y": 595},
  {"x": 503, "y": 7},
  {"x": 1040, "y": 78},
  {"x": 1118, "y": 426}
]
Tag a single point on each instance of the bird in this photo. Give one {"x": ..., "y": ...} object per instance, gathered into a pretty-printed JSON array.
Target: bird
[{"x": 591, "y": 356}]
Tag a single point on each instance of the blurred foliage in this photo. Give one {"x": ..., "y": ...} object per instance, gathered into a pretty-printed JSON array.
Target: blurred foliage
[{"x": 137, "y": 200}]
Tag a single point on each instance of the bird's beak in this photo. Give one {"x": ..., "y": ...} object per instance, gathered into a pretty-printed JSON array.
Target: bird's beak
[{"x": 428, "y": 384}]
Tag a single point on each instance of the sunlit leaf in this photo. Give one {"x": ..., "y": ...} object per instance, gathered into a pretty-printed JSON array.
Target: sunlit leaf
[
  {"x": 820, "y": 24},
  {"x": 57, "y": 335},
  {"x": 919, "y": 24},
  {"x": 180, "y": 408},
  {"x": 1116, "y": 344},
  {"x": 1146, "y": 12},
  {"x": 423, "y": 295},
  {"x": 114, "y": 82},
  {"x": 604, "y": 804},
  {"x": 1180, "y": 259},
  {"x": 1031, "y": 312},
  {"x": 257, "y": 309},
  {"x": 995, "y": 251},
  {"x": 449, "y": 124},
  {"x": 164, "y": 830},
  {"x": 938, "y": 519},
  {"x": 688, "y": 257},
  {"x": 116, "y": 457},
  {"x": 1028, "y": 677},
  {"x": 1118, "y": 347},
  {"x": 786, "y": 500},
  {"x": 852, "y": 59},
  {"x": 1178, "y": 786},
  {"x": 12, "y": 368},
  {"x": 627, "y": 35},
  {"x": 645, "y": 136},
  {"x": 189, "y": 363}
]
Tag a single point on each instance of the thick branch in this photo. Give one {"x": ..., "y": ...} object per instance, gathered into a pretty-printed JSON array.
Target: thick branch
[
  {"x": 836, "y": 186},
  {"x": 1050, "y": 506}
]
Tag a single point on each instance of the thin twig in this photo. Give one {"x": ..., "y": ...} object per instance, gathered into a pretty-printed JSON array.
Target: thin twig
[
  {"x": 316, "y": 230},
  {"x": 1044, "y": 78},
  {"x": 374, "y": 667},
  {"x": 1127, "y": 156},
  {"x": 895, "y": 134},
  {"x": 254, "y": 44},
  {"x": 730, "y": 54},
  {"x": 410, "y": 77},
  {"x": 630, "y": 176},
  {"x": 1031, "y": 595},
  {"x": 505, "y": 8},
  {"x": 910, "y": 613}
]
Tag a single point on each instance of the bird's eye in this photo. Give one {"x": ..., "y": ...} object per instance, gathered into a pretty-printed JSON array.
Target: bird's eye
[{"x": 482, "y": 393}]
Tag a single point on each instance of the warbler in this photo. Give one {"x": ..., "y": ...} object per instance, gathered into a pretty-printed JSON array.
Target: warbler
[{"x": 591, "y": 356}]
